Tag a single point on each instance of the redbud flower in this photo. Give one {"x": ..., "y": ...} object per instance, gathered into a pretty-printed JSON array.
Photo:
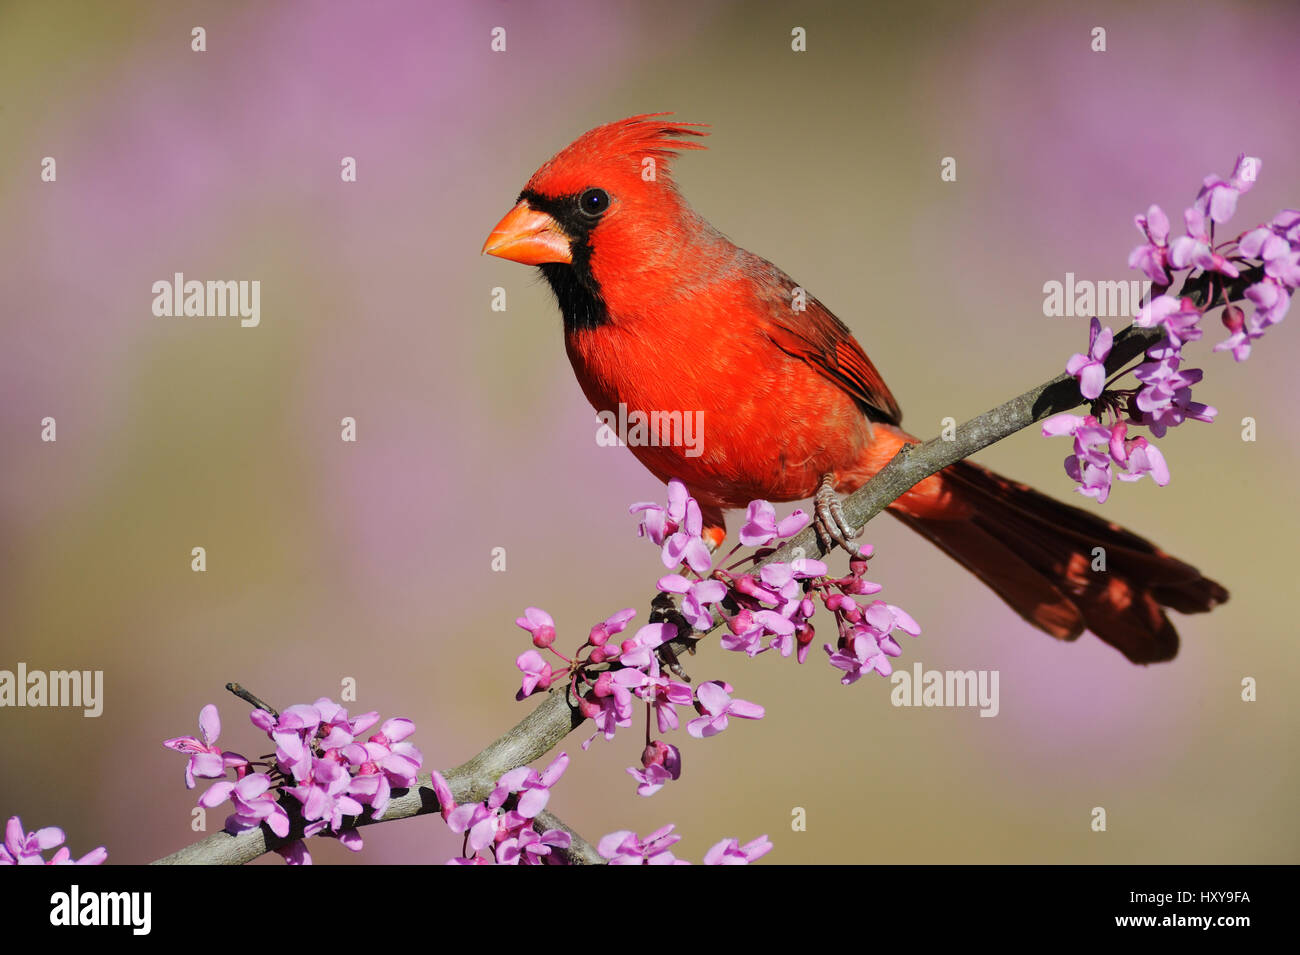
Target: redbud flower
[
  {"x": 714, "y": 702},
  {"x": 295, "y": 853},
  {"x": 254, "y": 802},
  {"x": 731, "y": 852},
  {"x": 446, "y": 801},
  {"x": 1218, "y": 199},
  {"x": 1194, "y": 248},
  {"x": 761, "y": 527},
  {"x": 626, "y": 848},
  {"x": 616, "y": 624},
  {"x": 638, "y": 652},
  {"x": 532, "y": 848},
  {"x": 537, "y": 673},
  {"x": 665, "y": 695},
  {"x": 658, "y": 522},
  {"x": 687, "y": 545},
  {"x": 206, "y": 758},
  {"x": 540, "y": 625},
  {"x": 661, "y": 762},
  {"x": 1152, "y": 258},
  {"x": 1090, "y": 369},
  {"x": 26, "y": 848},
  {"x": 860, "y": 656},
  {"x": 534, "y": 788},
  {"x": 699, "y": 595},
  {"x": 1178, "y": 316}
]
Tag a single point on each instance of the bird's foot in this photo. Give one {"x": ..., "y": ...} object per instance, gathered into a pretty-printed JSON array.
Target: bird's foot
[{"x": 828, "y": 518}]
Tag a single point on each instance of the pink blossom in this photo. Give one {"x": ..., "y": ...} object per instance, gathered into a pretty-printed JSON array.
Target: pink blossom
[
  {"x": 532, "y": 848},
  {"x": 714, "y": 703},
  {"x": 1194, "y": 249},
  {"x": 638, "y": 652},
  {"x": 540, "y": 625},
  {"x": 1218, "y": 199},
  {"x": 761, "y": 527},
  {"x": 661, "y": 763},
  {"x": 27, "y": 848},
  {"x": 613, "y": 626},
  {"x": 861, "y": 655},
  {"x": 731, "y": 852},
  {"x": 658, "y": 522},
  {"x": 687, "y": 545},
  {"x": 1090, "y": 369},
  {"x": 254, "y": 802},
  {"x": 536, "y": 671},
  {"x": 207, "y": 760},
  {"x": 698, "y": 596},
  {"x": 1153, "y": 257},
  {"x": 626, "y": 848}
]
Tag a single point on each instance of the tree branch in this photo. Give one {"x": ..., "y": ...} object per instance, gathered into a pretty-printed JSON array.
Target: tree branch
[
  {"x": 555, "y": 717},
  {"x": 472, "y": 781}
]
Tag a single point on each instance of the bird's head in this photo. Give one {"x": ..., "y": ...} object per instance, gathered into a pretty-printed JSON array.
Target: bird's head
[{"x": 602, "y": 207}]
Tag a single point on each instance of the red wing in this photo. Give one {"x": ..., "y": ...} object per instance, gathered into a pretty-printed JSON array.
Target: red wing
[{"x": 825, "y": 343}]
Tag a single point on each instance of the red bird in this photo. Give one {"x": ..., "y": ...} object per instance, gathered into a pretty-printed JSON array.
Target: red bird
[{"x": 663, "y": 314}]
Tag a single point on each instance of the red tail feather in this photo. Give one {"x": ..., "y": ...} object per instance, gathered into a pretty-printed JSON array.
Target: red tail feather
[{"x": 1038, "y": 554}]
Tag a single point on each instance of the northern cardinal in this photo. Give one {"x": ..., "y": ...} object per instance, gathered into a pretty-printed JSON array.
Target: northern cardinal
[{"x": 663, "y": 313}]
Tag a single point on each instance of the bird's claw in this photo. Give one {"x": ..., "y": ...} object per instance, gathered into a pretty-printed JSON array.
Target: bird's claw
[{"x": 829, "y": 520}]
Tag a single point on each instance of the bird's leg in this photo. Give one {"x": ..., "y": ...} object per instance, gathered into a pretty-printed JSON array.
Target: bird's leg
[{"x": 828, "y": 519}]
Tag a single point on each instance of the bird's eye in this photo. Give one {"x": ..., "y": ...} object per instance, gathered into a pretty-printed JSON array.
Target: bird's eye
[{"x": 593, "y": 202}]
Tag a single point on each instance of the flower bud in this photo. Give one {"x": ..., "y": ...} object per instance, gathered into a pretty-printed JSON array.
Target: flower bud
[
  {"x": 743, "y": 622},
  {"x": 1233, "y": 318},
  {"x": 653, "y": 754},
  {"x": 659, "y": 753}
]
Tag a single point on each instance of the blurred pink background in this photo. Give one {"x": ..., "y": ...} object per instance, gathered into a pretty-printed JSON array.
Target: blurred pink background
[{"x": 371, "y": 560}]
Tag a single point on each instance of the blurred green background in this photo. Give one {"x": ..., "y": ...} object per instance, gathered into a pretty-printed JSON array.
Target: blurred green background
[{"x": 371, "y": 560}]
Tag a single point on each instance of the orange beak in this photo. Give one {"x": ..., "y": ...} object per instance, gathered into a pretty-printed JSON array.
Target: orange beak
[{"x": 529, "y": 237}]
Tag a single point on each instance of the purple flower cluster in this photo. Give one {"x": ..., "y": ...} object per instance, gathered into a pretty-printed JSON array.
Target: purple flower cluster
[
  {"x": 677, "y": 529},
  {"x": 1097, "y": 446},
  {"x": 770, "y": 609},
  {"x": 1277, "y": 246},
  {"x": 29, "y": 848},
  {"x": 627, "y": 848},
  {"x": 1103, "y": 447},
  {"x": 321, "y": 760},
  {"x": 865, "y": 632},
  {"x": 500, "y": 829}
]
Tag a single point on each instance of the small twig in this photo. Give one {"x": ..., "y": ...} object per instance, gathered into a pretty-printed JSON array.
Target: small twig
[{"x": 248, "y": 697}]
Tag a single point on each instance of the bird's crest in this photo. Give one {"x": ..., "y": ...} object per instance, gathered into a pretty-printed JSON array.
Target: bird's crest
[{"x": 618, "y": 149}]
